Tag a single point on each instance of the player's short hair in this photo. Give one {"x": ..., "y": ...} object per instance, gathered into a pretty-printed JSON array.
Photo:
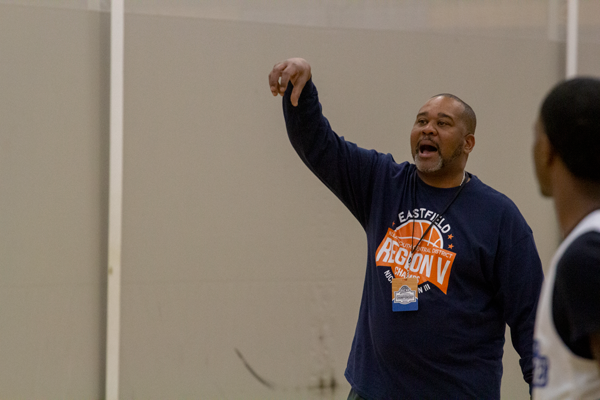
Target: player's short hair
[
  {"x": 570, "y": 115},
  {"x": 468, "y": 114}
]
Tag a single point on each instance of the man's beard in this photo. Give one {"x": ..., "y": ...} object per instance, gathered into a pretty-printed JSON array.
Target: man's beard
[{"x": 442, "y": 162}]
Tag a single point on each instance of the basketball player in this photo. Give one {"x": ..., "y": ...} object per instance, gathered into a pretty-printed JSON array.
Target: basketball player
[
  {"x": 567, "y": 160},
  {"x": 450, "y": 260}
]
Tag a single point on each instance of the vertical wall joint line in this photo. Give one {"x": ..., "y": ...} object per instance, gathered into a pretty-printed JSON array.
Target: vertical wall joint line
[
  {"x": 115, "y": 201},
  {"x": 572, "y": 37}
]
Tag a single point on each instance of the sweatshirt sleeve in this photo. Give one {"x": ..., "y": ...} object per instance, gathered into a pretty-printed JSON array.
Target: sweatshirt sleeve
[
  {"x": 519, "y": 276},
  {"x": 345, "y": 168}
]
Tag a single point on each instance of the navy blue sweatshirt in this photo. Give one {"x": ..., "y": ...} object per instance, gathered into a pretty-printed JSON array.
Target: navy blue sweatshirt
[{"x": 478, "y": 270}]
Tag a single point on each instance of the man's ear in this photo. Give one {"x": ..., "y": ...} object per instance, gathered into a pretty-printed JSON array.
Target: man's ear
[{"x": 469, "y": 143}]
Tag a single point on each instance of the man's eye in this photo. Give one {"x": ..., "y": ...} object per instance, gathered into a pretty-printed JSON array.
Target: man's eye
[{"x": 442, "y": 123}]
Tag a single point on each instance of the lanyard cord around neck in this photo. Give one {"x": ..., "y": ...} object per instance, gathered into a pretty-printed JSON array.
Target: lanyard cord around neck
[{"x": 415, "y": 248}]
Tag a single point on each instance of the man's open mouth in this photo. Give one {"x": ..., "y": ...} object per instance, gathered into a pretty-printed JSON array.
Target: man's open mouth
[{"x": 426, "y": 149}]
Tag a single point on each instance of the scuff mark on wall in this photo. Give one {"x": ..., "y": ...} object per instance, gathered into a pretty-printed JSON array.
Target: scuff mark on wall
[
  {"x": 326, "y": 386},
  {"x": 251, "y": 370}
]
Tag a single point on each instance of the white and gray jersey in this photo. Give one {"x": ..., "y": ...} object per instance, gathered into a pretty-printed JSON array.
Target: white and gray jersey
[{"x": 568, "y": 312}]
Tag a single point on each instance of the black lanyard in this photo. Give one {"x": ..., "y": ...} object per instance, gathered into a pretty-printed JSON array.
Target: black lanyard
[{"x": 414, "y": 249}]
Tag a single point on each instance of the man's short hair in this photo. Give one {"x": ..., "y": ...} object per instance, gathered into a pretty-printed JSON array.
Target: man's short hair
[
  {"x": 468, "y": 113},
  {"x": 570, "y": 115}
]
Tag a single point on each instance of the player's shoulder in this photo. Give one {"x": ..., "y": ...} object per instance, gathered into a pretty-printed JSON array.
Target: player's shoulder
[
  {"x": 583, "y": 250},
  {"x": 578, "y": 269}
]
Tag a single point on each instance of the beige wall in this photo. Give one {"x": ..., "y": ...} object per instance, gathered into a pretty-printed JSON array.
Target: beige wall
[
  {"x": 53, "y": 202},
  {"x": 235, "y": 258}
]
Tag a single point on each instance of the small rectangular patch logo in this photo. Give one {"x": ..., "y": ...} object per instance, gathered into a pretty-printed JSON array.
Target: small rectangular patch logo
[{"x": 405, "y": 294}]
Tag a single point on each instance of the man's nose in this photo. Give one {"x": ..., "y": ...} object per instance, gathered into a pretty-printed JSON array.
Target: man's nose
[{"x": 429, "y": 129}]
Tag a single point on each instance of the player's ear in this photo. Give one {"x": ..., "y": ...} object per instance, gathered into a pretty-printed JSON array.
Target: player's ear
[
  {"x": 544, "y": 157},
  {"x": 547, "y": 151}
]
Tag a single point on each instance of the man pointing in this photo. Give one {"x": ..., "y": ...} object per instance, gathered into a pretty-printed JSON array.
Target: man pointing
[{"x": 451, "y": 261}]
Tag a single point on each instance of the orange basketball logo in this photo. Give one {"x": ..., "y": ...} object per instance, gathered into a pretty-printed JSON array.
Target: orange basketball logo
[
  {"x": 430, "y": 262},
  {"x": 433, "y": 238}
]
